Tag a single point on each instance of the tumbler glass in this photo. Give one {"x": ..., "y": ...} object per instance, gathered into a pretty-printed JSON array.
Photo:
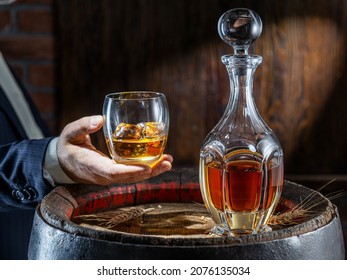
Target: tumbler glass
[{"x": 136, "y": 126}]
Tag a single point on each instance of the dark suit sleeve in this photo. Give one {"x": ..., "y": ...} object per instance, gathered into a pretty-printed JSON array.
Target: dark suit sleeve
[{"x": 21, "y": 175}]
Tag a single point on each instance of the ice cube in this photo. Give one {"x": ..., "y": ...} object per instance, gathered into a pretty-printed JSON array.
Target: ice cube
[
  {"x": 127, "y": 131},
  {"x": 152, "y": 129}
]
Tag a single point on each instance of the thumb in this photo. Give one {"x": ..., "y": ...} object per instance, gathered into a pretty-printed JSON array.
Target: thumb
[
  {"x": 96, "y": 123},
  {"x": 78, "y": 129}
]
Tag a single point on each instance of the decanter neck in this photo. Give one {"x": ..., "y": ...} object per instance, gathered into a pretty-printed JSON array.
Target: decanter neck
[{"x": 241, "y": 106}]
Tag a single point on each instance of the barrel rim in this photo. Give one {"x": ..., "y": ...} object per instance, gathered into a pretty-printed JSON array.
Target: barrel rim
[{"x": 54, "y": 219}]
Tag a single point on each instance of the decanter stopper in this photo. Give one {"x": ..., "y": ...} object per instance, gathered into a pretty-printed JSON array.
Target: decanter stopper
[{"x": 239, "y": 28}]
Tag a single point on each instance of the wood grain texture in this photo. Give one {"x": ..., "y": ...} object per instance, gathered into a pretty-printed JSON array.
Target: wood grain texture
[
  {"x": 164, "y": 219},
  {"x": 172, "y": 46}
]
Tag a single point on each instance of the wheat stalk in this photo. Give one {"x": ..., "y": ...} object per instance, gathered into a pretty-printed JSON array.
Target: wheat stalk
[
  {"x": 110, "y": 219},
  {"x": 304, "y": 210}
]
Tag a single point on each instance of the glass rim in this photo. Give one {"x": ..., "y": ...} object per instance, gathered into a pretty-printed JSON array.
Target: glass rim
[{"x": 135, "y": 95}]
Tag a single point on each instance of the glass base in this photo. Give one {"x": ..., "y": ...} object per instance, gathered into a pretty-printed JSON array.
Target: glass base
[
  {"x": 222, "y": 230},
  {"x": 238, "y": 232}
]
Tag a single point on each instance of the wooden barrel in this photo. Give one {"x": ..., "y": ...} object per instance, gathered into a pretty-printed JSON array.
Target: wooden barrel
[{"x": 172, "y": 223}]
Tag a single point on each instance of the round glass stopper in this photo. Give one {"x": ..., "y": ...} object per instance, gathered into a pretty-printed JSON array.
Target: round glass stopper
[{"x": 239, "y": 28}]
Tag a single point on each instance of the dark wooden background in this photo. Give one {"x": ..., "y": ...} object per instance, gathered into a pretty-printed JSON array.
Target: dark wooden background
[{"x": 172, "y": 46}]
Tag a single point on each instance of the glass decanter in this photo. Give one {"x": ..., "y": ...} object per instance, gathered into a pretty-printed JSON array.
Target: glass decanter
[{"x": 241, "y": 160}]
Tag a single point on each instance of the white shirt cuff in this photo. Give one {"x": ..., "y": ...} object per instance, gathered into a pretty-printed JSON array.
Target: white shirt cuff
[{"x": 52, "y": 170}]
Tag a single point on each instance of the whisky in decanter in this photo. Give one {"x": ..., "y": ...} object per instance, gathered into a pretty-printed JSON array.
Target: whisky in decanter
[{"x": 241, "y": 160}]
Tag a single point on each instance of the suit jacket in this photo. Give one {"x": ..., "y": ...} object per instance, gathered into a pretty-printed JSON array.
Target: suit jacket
[{"x": 21, "y": 159}]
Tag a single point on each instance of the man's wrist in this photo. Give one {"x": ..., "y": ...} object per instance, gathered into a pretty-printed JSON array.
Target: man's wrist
[{"x": 51, "y": 167}]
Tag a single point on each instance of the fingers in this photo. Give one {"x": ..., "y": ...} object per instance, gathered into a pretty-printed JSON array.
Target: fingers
[
  {"x": 114, "y": 172},
  {"x": 104, "y": 171},
  {"x": 94, "y": 168},
  {"x": 120, "y": 173},
  {"x": 164, "y": 165}
]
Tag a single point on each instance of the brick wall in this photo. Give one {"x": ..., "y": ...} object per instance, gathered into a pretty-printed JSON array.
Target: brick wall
[{"x": 27, "y": 40}]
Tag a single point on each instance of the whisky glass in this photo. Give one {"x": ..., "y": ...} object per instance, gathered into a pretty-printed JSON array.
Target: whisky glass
[{"x": 136, "y": 126}]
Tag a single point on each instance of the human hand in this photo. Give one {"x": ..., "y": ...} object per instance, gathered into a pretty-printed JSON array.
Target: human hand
[{"x": 84, "y": 164}]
